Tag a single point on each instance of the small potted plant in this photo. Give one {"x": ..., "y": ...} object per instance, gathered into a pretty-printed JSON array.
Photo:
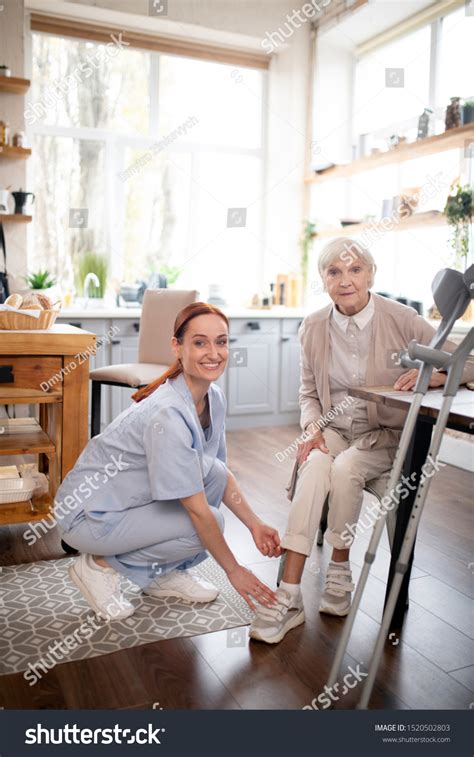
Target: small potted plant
[
  {"x": 468, "y": 112},
  {"x": 458, "y": 211},
  {"x": 5, "y": 71},
  {"x": 306, "y": 242},
  {"x": 40, "y": 281}
]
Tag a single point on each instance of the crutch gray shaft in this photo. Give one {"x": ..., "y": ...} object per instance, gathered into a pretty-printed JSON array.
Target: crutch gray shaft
[
  {"x": 405, "y": 440},
  {"x": 404, "y": 557}
]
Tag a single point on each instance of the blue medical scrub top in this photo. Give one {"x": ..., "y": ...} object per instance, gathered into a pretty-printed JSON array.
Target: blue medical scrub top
[{"x": 155, "y": 450}]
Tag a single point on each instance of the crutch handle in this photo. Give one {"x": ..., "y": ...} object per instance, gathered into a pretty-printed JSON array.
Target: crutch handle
[{"x": 437, "y": 358}]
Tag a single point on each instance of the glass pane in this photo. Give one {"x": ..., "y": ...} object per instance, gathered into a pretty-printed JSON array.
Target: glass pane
[
  {"x": 226, "y": 101},
  {"x": 81, "y": 83},
  {"x": 70, "y": 203},
  {"x": 156, "y": 214},
  {"x": 456, "y": 76},
  {"x": 378, "y": 105}
]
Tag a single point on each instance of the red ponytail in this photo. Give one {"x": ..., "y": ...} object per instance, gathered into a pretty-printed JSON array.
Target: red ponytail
[{"x": 180, "y": 325}]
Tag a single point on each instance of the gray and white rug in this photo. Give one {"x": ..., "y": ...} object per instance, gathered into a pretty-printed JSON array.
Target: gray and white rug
[{"x": 44, "y": 620}]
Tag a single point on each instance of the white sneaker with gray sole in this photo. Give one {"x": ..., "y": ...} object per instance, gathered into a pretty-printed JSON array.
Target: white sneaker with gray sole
[
  {"x": 271, "y": 624},
  {"x": 182, "y": 584},
  {"x": 338, "y": 588}
]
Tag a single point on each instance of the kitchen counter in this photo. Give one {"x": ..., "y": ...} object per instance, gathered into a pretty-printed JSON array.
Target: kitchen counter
[{"x": 115, "y": 312}]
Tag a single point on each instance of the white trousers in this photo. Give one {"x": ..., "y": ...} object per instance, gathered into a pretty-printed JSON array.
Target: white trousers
[{"x": 341, "y": 474}]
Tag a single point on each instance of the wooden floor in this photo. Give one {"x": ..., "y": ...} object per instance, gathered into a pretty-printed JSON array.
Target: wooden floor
[{"x": 431, "y": 667}]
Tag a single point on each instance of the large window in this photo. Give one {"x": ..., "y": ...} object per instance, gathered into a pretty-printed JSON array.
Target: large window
[{"x": 151, "y": 150}]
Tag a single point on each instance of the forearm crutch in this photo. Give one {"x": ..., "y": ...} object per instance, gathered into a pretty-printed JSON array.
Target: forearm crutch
[{"x": 452, "y": 293}]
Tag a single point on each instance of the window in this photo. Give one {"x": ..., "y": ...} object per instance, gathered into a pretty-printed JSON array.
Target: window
[
  {"x": 153, "y": 150},
  {"x": 455, "y": 71}
]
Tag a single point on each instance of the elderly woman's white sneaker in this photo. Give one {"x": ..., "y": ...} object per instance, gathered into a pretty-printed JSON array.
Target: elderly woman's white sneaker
[
  {"x": 338, "y": 588},
  {"x": 271, "y": 624},
  {"x": 182, "y": 584},
  {"x": 101, "y": 588}
]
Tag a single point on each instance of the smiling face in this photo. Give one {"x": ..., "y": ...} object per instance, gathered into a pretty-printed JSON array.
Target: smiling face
[
  {"x": 204, "y": 348},
  {"x": 347, "y": 283}
]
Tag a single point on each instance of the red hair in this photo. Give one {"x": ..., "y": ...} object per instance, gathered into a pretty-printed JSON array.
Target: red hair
[{"x": 180, "y": 326}]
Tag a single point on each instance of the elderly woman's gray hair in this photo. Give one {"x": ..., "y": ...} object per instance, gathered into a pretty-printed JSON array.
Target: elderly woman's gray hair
[{"x": 346, "y": 250}]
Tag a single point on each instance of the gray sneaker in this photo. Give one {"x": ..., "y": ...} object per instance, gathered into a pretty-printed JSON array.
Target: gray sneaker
[
  {"x": 271, "y": 624},
  {"x": 336, "y": 598}
]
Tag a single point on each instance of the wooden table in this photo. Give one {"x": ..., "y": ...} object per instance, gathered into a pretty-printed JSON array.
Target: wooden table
[
  {"x": 461, "y": 418},
  {"x": 50, "y": 369}
]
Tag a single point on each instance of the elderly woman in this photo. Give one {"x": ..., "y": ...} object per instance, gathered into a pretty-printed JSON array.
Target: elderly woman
[{"x": 350, "y": 342}]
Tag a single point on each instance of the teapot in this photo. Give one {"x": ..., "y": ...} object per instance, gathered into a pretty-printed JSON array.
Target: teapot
[{"x": 21, "y": 198}]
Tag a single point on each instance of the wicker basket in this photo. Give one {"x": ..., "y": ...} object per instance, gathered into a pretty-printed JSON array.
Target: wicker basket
[{"x": 10, "y": 321}]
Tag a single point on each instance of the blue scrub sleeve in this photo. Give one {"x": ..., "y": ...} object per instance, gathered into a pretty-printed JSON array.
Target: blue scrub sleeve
[
  {"x": 173, "y": 463},
  {"x": 222, "y": 447}
]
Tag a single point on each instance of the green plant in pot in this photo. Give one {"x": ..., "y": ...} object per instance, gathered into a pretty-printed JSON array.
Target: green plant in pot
[
  {"x": 91, "y": 262},
  {"x": 306, "y": 242},
  {"x": 468, "y": 112},
  {"x": 458, "y": 211},
  {"x": 40, "y": 280}
]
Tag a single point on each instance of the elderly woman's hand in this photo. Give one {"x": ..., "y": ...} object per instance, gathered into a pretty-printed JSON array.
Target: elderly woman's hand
[
  {"x": 314, "y": 442},
  {"x": 408, "y": 380}
]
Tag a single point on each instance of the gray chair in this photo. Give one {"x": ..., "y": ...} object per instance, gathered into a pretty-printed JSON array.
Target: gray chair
[
  {"x": 377, "y": 487},
  {"x": 159, "y": 310}
]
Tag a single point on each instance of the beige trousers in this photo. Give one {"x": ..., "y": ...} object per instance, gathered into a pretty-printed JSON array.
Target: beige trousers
[{"x": 342, "y": 474}]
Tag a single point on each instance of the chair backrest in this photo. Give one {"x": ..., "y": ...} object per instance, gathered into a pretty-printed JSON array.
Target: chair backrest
[{"x": 159, "y": 310}]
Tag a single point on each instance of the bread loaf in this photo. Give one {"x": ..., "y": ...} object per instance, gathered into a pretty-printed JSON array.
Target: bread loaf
[
  {"x": 14, "y": 300},
  {"x": 31, "y": 302}
]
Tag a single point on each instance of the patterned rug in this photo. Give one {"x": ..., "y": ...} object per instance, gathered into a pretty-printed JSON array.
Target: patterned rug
[{"x": 44, "y": 620}]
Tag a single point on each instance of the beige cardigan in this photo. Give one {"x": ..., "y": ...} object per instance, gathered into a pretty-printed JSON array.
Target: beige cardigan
[{"x": 394, "y": 326}]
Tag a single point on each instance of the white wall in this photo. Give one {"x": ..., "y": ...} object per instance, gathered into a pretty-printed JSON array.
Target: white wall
[{"x": 13, "y": 172}]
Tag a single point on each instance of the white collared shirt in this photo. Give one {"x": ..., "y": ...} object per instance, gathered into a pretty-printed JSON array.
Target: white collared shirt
[{"x": 361, "y": 319}]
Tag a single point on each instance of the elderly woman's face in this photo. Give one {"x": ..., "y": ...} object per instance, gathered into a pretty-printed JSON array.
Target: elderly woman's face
[{"x": 347, "y": 283}]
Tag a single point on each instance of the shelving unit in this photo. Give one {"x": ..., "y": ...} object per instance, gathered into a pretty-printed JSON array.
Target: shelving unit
[
  {"x": 416, "y": 221},
  {"x": 449, "y": 140},
  {"x": 13, "y": 85},
  {"x": 14, "y": 153},
  {"x": 15, "y": 218}
]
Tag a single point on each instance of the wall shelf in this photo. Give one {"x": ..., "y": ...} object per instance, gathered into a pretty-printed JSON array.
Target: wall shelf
[
  {"x": 7, "y": 151},
  {"x": 416, "y": 221},
  {"x": 449, "y": 140},
  {"x": 13, "y": 85},
  {"x": 15, "y": 218}
]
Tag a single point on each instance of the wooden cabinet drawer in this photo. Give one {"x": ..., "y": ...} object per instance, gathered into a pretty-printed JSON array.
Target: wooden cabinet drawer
[{"x": 37, "y": 374}]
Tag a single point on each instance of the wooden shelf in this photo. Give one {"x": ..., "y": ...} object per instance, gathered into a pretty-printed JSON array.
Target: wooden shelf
[
  {"x": 449, "y": 140},
  {"x": 25, "y": 439},
  {"x": 13, "y": 85},
  {"x": 15, "y": 218},
  {"x": 416, "y": 221},
  {"x": 34, "y": 509},
  {"x": 14, "y": 153}
]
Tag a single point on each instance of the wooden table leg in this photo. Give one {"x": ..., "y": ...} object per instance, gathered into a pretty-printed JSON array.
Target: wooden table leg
[
  {"x": 416, "y": 457},
  {"x": 75, "y": 411}
]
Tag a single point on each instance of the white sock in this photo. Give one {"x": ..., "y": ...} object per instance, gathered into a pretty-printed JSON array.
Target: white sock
[
  {"x": 345, "y": 564},
  {"x": 292, "y": 589}
]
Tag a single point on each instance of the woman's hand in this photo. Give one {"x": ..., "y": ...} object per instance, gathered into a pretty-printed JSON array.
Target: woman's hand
[
  {"x": 248, "y": 585},
  {"x": 314, "y": 442},
  {"x": 408, "y": 380},
  {"x": 267, "y": 540}
]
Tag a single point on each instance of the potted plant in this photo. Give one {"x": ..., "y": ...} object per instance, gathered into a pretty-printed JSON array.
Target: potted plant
[
  {"x": 40, "y": 281},
  {"x": 91, "y": 262},
  {"x": 306, "y": 241},
  {"x": 458, "y": 211}
]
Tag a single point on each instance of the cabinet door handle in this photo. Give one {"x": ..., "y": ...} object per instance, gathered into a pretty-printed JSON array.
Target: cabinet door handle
[
  {"x": 136, "y": 326},
  {"x": 285, "y": 339},
  {"x": 115, "y": 341},
  {"x": 233, "y": 339},
  {"x": 253, "y": 325}
]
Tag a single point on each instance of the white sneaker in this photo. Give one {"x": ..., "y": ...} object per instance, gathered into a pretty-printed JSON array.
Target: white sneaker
[
  {"x": 182, "y": 584},
  {"x": 336, "y": 599},
  {"x": 271, "y": 624},
  {"x": 101, "y": 587}
]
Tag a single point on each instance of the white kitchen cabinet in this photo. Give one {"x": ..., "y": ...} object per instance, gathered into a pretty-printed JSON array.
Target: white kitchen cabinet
[
  {"x": 124, "y": 350},
  {"x": 289, "y": 366},
  {"x": 252, "y": 374}
]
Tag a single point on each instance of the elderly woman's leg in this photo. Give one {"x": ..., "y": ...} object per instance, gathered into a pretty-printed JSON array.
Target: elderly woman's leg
[
  {"x": 314, "y": 477},
  {"x": 350, "y": 472}
]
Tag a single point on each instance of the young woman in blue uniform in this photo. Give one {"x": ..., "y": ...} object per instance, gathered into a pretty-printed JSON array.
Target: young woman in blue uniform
[{"x": 143, "y": 499}]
